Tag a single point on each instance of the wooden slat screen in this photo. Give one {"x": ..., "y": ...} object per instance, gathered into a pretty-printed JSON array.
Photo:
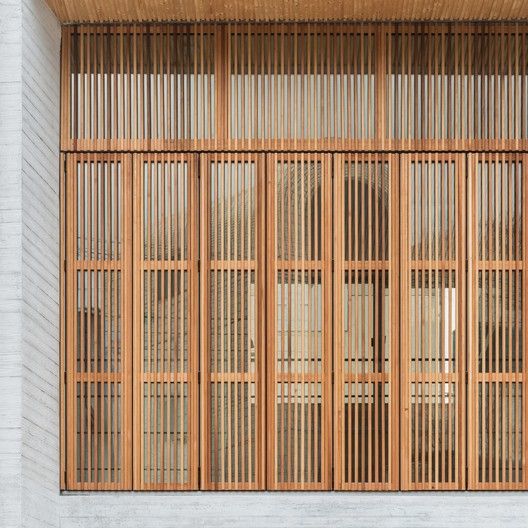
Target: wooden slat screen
[
  {"x": 233, "y": 275},
  {"x": 366, "y": 241},
  {"x": 497, "y": 368},
  {"x": 98, "y": 351},
  {"x": 166, "y": 307},
  {"x": 310, "y": 82},
  {"x": 296, "y": 86},
  {"x": 294, "y": 256},
  {"x": 449, "y": 84},
  {"x": 432, "y": 296},
  {"x": 139, "y": 87},
  {"x": 299, "y": 321}
]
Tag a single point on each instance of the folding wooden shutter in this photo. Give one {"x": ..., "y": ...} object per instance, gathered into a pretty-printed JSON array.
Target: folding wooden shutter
[
  {"x": 98, "y": 322},
  {"x": 449, "y": 86},
  {"x": 433, "y": 322},
  {"x": 300, "y": 84},
  {"x": 299, "y": 321},
  {"x": 366, "y": 279},
  {"x": 165, "y": 333},
  {"x": 497, "y": 321},
  {"x": 139, "y": 87},
  {"x": 232, "y": 321}
]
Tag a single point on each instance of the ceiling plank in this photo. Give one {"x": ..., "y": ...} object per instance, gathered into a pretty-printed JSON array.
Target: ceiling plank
[{"x": 71, "y": 11}]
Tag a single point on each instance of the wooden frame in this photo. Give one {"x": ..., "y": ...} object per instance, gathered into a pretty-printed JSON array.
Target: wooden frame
[
  {"x": 98, "y": 340},
  {"x": 289, "y": 466},
  {"x": 233, "y": 204},
  {"x": 423, "y": 86},
  {"x": 202, "y": 401},
  {"x": 166, "y": 362},
  {"x": 433, "y": 266},
  {"x": 497, "y": 321},
  {"x": 366, "y": 252}
]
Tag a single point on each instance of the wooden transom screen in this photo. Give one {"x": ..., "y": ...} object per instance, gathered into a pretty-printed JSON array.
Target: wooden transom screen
[{"x": 294, "y": 257}]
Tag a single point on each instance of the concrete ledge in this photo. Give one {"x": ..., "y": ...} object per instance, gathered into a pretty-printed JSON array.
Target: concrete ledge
[{"x": 291, "y": 509}]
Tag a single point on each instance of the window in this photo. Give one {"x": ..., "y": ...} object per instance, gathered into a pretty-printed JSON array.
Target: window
[{"x": 294, "y": 257}]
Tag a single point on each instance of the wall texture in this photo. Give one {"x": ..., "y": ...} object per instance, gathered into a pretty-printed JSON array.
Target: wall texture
[
  {"x": 29, "y": 257},
  {"x": 10, "y": 260}
]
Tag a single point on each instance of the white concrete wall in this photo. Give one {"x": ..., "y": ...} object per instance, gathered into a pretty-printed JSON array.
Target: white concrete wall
[
  {"x": 40, "y": 264},
  {"x": 293, "y": 509},
  {"x": 10, "y": 261},
  {"x": 29, "y": 257},
  {"x": 29, "y": 348}
]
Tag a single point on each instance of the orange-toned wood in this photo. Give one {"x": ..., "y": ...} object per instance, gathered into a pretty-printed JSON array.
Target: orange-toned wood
[
  {"x": 497, "y": 444},
  {"x": 433, "y": 348},
  {"x": 366, "y": 329},
  {"x": 233, "y": 405},
  {"x": 299, "y": 322},
  {"x": 98, "y": 322},
  {"x": 166, "y": 308},
  {"x": 69, "y": 11},
  {"x": 303, "y": 86}
]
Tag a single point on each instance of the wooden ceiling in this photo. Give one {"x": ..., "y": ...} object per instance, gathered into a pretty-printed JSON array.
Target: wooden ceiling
[{"x": 69, "y": 11}]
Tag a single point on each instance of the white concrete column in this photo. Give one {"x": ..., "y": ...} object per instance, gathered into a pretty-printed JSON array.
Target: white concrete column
[{"x": 29, "y": 263}]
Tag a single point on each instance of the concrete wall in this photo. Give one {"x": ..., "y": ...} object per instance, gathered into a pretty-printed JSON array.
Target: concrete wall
[
  {"x": 29, "y": 258},
  {"x": 293, "y": 509},
  {"x": 10, "y": 260},
  {"x": 29, "y": 348}
]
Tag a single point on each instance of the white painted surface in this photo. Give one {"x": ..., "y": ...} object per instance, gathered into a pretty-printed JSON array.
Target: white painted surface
[
  {"x": 29, "y": 349},
  {"x": 292, "y": 509},
  {"x": 29, "y": 238}
]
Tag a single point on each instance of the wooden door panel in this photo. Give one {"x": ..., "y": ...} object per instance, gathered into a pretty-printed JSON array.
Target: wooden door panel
[
  {"x": 433, "y": 322},
  {"x": 166, "y": 306},
  {"x": 366, "y": 367},
  {"x": 497, "y": 322},
  {"x": 299, "y": 321},
  {"x": 232, "y": 311}
]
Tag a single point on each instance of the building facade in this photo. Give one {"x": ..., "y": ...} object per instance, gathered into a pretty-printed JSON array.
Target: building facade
[{"x": 279, "y": 255}]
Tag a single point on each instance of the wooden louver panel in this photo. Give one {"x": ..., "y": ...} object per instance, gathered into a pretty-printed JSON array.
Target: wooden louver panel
[
  {"x": 457, "y": 83},
  {"x": 301, "y": 83},
  {"x": 433, "y": 317},
  {"x": 98, "y": 335},
  {"x": 497, "y": 322},
  {"x": 232, "y": 293},
  {"x": 365, "y": 322},
  {"x": 299, "y": 322},
  {"x": 138, "y": 86},
  {"x": 166, "y": 309}
]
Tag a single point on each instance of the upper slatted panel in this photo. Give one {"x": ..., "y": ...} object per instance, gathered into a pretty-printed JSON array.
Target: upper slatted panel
[
  {"x": 457, "y": 86},
  {"x": 295, "y": 87},
  {"x": 138, "y": 86},
  {"x": 301, "y": 82}
]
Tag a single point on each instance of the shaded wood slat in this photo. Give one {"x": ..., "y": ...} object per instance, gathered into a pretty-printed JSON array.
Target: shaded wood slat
[
  {"x": 366, "y": 333},
  {"x": 98, "y": 338},
  {"x": 232, "y": 305},
  {"x": 433, "y": 316},
  {"x": 497, "y": 322}
]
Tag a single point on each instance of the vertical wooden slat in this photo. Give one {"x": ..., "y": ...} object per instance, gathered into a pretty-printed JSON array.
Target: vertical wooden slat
[
  {"x": 166, "y": 340},
  {"x": 432, "y": 296},
  {"x": 497, "y": 412},
  {"x": 365, "y": 369},
  {"x": 232, "y": 276},
  {"x": 98, "y": 398}
]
